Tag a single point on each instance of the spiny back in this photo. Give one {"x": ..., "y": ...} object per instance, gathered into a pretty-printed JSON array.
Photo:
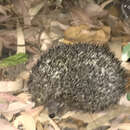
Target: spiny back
[{"x": 82, "y": 77}]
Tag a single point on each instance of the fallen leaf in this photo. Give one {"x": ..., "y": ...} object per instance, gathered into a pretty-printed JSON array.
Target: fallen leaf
[
  {"x": 9, "y": 97},
  {"x": 39, "y": 126},
  {"x": 27, "y": 122},
  {"x": 3, "y": 104},
  {"x": 8, "y": 116},
  {"x": 16, "y": 107},
  {"x": 35, "y": 112},
  {"x": 24, "y": 97},
  {"x": 11, "y": 86},
  {"x": 24, "y": 75},
  {"x": 3, "y": 10},
  {"x": 126, "y": 65},
  {"x": 5, "y": 125},
  {"x": 88, "y": 15},
  {"x": 14, "y": 104},
  {"x": 21, "y": 9},
  {"x": 33, "y": 11},
  {"x": 122, "y": 126},
  {"x": 83, "y": 34},
  {"x": 45, "y": 41}
]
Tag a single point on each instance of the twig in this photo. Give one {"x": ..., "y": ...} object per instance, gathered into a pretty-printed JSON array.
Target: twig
[
  {"x": 103, "y": 5},
  {"x": 20, "y": 40}
]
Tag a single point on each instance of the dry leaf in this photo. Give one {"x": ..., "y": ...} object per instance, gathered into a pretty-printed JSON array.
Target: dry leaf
[
  {"x": 82, "y": 33},
  {"x": 11, "y": 86},
  {"x": 126, "y": 65},
  {"x": 118, "y": 110},
  {"x": 87, "y": 117},
  {"x": 122, "y": 126},
  {"x": 89, "y": 15},
  {"x": 9, "y": 97},
  {"x": 16, "y": 107},
  {"x": 5, "y": 125},
  {"x": 24, "y": 75},
  {"x": 24, "y": 97},
  {"x": 34, "y": 112},
  {"x": 26, "y": 121},
  {"x": 48, "y": 126},
  {"x": 8, "y": 116},
  {"x": 4, "y": 18},
  {"x": 3, "y": 104},
  {"x": 45, "y": 41},
  {"x": 114, "y": 11},
  {"x": 71, "y": 123},
  {"x": 21, "y": 9},
  {"x": 39, "y": 126},
  {"x": 3, "y": 10},
  {"x": 33, "y": 11},
  {"x": 94, "y": 10},
  {"x": 13, "y": 104}
]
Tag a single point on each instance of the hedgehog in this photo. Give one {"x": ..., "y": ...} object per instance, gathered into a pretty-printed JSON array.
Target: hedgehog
[{"x": 77, "y": 77}]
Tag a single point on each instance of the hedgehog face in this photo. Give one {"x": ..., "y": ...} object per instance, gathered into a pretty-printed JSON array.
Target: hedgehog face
[{"x": 77, "y": 77}]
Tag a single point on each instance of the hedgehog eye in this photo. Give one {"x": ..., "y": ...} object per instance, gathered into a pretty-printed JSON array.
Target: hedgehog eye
[{"x": 52, "y": 115}]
